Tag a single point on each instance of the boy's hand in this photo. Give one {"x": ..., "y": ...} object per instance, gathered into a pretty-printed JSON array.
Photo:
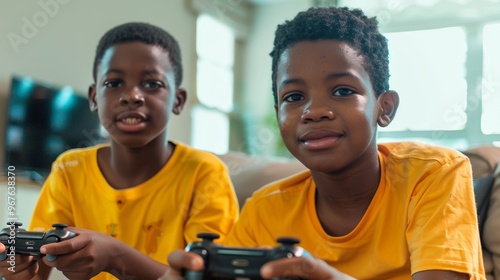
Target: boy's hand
[
  {"x": 306, "y": 268},
  {"x": 179, "y": 260},
  {"x": 82, "y": 256},
  {"x": 21, "y": 268}
]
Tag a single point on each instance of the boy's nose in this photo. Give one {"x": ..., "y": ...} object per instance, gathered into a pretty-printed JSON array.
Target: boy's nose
[
  {"x": 317, "y": 111},
  {"x": 132, "y": 97}
]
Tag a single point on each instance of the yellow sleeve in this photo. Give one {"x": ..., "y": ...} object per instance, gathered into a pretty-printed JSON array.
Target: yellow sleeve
[
  {"x": 54, "y": 204},
  {"x": 214, "y": 205},
  {"x": 442, "y": 227}
]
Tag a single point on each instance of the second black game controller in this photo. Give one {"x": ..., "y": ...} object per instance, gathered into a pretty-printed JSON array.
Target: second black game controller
[
  {"x": 19, "y": 241},
  {"x": 236, "y": 262}
]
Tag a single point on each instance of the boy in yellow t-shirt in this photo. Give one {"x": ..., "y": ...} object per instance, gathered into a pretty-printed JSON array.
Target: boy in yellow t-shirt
[
  {"x": 363, "y": 210},
  {"x": 141, "y": 196}
]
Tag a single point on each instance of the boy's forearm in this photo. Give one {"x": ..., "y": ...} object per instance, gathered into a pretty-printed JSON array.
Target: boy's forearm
[{"x": 127, "y": 261}]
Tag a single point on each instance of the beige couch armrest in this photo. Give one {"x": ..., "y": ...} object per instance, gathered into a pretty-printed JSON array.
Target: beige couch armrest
[{"x": 483, "y": 160}]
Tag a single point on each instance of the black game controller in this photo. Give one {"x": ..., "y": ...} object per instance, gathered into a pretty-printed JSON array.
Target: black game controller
[
  {"x": 18, "y": 240},
  {"x": 232, "y": 262}
]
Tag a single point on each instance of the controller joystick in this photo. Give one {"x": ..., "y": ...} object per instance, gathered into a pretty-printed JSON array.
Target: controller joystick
[
  {"x": 207, "y": 236},
  {"x": 236, "y": 262},
  {"x": 18, "y": 240}
]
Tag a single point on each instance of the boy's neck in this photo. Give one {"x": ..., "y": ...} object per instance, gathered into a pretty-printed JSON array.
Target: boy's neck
[
  {"x": 348, "y": 187},
  {"x": 125, "y": 167},
  {"x": 342, "y": 199}
]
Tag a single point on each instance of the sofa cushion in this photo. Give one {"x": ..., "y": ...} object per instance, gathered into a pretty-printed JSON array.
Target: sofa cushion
[
  {"x": 482, "y": 191},
  {"x": 249, "y": 173},
  {"x": 491, "y": 231}
]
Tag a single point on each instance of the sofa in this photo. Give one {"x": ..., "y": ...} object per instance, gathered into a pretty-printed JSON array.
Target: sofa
[
  {"x": 485, "y": 166},
  {"x": 248, "y": 173}
]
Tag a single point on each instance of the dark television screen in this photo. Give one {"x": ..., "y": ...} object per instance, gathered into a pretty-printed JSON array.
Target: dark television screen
[{"x": 43, "y": 121}]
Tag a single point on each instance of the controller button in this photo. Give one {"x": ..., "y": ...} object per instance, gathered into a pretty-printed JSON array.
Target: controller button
[
  {"x": 239, "y": 272},
  {"x": 240, "y": 262},
  {"x": 52, "y": 239},
  {"x": 29, "y": 243}
]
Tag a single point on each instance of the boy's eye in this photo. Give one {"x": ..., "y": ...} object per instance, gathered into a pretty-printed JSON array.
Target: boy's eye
[
  {"x": 153, "y": 84},
  {"x": 294, "y": 97},
  {"x": 112, "y": 84},
  {"x": 343, "y": 92}
]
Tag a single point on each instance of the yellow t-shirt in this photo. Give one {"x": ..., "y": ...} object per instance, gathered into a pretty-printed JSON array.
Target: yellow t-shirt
[
  {"x": 192, "y": 193},
  {"x": 422, "y": 217}
]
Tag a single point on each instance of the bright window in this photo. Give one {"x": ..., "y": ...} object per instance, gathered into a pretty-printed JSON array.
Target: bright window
[
  {"x": 430, "y": 79},
  {"x": 214, "y": 85},
  {"x": 491, "y": 80},
  {"x": 210, "y": 137}
]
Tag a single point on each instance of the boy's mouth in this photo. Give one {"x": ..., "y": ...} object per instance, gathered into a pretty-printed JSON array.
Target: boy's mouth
[
  {"x": 320, "y": 139},
  {"x": 131, "y": 117},
  {"x": 131, "y": 120}
]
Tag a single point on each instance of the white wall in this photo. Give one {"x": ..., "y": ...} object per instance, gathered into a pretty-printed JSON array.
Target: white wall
[{"x": 60, "y": 46}]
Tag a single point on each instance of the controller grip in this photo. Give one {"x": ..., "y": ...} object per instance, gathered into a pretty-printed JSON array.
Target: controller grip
[
  {"x": 3, "y": 255},
  {"x": 193, "y": 275}
]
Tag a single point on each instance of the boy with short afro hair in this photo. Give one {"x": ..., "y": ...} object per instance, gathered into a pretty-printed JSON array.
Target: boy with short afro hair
[
  {"x": 132, "y": 201},
  {"x": 141, "y": 32},
  {"x": 342, "y": 24},
  {"x": 363, "y": 210}
]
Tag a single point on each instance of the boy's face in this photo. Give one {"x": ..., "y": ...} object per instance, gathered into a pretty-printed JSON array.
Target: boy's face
[
  {"x": 327, "y": 109},
  {"x": 135, "y": 93}
]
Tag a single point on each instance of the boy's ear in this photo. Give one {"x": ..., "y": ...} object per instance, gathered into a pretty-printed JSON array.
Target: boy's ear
[
  {"x": 180, "y": 100},
  {"x": 92, "y": 100},
  {"x": 388, "y": 103}
]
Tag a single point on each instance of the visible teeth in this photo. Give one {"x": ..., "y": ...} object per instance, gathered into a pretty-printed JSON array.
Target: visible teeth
[{"x": 131, "y": 120}]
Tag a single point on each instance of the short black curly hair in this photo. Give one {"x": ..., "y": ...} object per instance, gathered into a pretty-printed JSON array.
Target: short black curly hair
[
  {"x": 337, "y": 23},
  {"x": 141, "y": 32}
]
